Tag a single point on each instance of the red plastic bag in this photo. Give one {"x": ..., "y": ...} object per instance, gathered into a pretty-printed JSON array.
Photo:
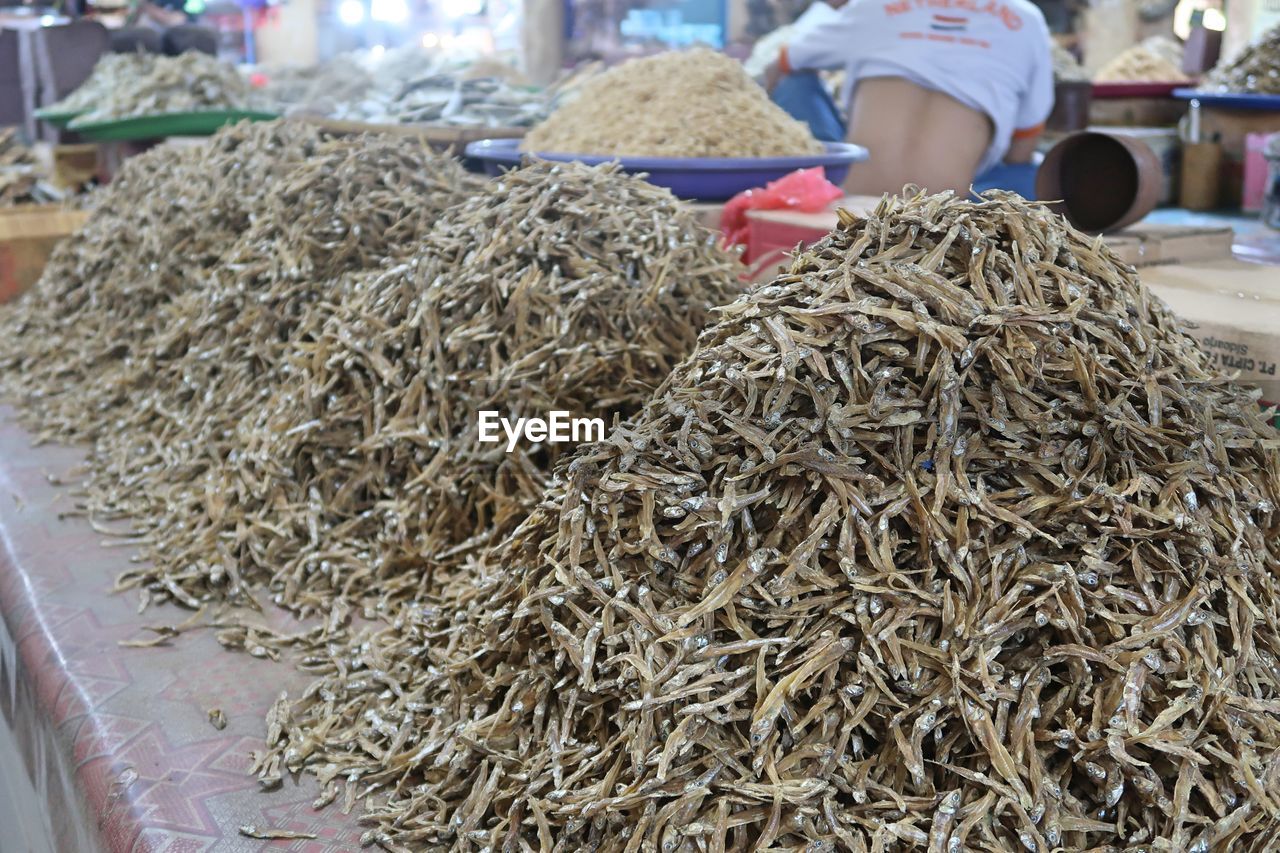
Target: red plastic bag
[{"x": 806, "y": 190}]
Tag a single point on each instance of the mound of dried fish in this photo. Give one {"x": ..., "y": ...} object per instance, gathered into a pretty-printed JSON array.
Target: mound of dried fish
[
  {"x": 948, "y": 538},
  {"x": 693, "y": 103},
  {"x": 191, "y": 82},
  {"x": 1157, "y": 59},
  {"x": 114, "y": 71},
  {"x": 1066, "y": 68},
  {"x": 157, "y": 229},
  {"x": 339, "y": 415},
  {"x": 299, "y": 410},
  {"x": 409, "y": 85},
  {"x": 1256, "y": 70},
  {"x": 22, "y": 180}
]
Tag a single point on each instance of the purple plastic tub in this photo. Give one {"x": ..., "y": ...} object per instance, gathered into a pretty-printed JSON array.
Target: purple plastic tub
[
  {"x": 1231, "y": 100},
  {"x": 693, "y": 178}
]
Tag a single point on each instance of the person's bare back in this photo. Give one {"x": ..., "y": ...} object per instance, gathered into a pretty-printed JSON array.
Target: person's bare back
[{"x": 915, "y": 136}]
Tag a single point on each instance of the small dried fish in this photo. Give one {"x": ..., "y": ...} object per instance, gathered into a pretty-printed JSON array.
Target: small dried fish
[
  {"x": 1026, "y": 619},
  {"x": 1255, "y": 70},
  {"x": 22, "y": 180},
  {"x": 685, "y": 103},
  {"x": 271, "y": 833},
  {"x": 217, "y": 719},
  {"x": 190, "y": 82}
]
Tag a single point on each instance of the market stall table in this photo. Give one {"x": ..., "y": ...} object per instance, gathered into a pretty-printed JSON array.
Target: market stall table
[{"x": 116, "y": 743}]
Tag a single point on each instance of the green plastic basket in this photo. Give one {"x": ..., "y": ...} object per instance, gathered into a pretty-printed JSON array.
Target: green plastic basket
[
  {"x": 58, "y": 118},
  {"x": 168, "y": 124}
]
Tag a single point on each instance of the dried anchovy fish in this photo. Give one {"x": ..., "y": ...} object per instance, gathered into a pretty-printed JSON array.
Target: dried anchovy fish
[
  {"x": 191, "y": 82},
  {"x": 299, "y": 410},
  {"x": 111, "y": 73},
  {"x": 22, "y": 180},
  {"x": 1066, "y": 68},
  {"x": 687, "y": 103},
  {"x": 947, "y": 538},
  {"x": 1255, "y": 70},
  {"x": 410, "y": 85},
  {"x": 217, "y": 718},
  {"x": 334, "y": 439},
  {"x": 270, "y": 833},
  {"x": 1156, "y": 59}
]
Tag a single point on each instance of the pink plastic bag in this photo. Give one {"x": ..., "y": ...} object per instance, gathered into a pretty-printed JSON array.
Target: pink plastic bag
[{"x": 805, "y": 190}]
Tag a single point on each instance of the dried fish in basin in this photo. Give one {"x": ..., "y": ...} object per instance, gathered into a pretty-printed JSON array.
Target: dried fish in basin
[
  {"x": 689, "y": 103},
  {"x": 1255, "y": 70},
  {"x": 947, "y": 538}
]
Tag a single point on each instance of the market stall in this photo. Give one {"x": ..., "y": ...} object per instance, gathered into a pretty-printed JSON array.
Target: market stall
[
  {"x": 678, "y": 454},
  {"x": 117, "y": 742}
]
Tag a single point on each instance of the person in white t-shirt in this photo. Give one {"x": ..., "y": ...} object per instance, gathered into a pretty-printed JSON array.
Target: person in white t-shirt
[{"x": 939, "y": 91}]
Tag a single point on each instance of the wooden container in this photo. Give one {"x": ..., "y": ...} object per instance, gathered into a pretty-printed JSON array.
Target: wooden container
[
  {"x": 74, "y": 165},
  {"x": 1201, "y": 176},
  {"x": 28, "y": 234},
  {"x": 1100, "y": 182}
]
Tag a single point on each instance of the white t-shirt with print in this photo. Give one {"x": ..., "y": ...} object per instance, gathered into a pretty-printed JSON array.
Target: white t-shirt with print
[{"x": 990, "y": 55}]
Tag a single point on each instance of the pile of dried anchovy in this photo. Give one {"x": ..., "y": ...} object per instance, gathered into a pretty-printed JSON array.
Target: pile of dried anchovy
[
  {"x": 296, "y": 408},
  {"x": 1255, "y": 70},
  {"x": 336, "y": 415},
  {"x": 19, "y": 176},
  {"x": 685, "y": 103},
  {"x": 191, "y": 82},
  {"x": 947, "y": 538},
  {"x": 409, "y": 85},
  {"x": 23, "y": 178},
  {"x": 81, "y": 343},
  {"x": 111, "y": 73}
]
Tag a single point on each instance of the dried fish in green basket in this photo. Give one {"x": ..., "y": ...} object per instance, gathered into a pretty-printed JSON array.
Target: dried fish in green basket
[
  {"x": 114, "y": 72},
  {"x": 190, "y": 82},
  {"x": 948, "y": 538}
]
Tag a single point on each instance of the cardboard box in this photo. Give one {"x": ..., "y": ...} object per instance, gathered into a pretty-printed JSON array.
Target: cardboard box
[
  {"x": 1233, "y": 309},
  {"x": 28, "y": 234},
  {"x": 74, "y": 165},
  {"x": 1231, "y": 128},
  {"x": 1136, "y": 112},
  {"x": 707, "y": 213},
  {"x": 774, "y": 233},
  {"x": 1147, "y": 244}
]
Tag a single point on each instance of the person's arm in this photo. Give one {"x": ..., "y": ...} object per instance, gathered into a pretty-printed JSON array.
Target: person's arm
[
  {"x": 1037, "y": 103},
  {"x": 1023, "y": 145},
  {"x": 162, "y": 16},
  {"x": 814, "y": 48}
]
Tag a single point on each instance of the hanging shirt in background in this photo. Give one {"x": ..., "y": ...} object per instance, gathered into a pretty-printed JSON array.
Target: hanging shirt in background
[{"x": 993, "y": 56}]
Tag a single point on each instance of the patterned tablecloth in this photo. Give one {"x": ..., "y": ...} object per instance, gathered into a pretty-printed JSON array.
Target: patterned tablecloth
[{"x": 117, "y": 742}]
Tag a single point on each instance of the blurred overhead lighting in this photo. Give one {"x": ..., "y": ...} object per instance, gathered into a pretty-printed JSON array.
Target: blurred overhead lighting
[
  {"x": 351, "y": 12},
  {"x": 460, "y": 8},
  {"x": 430, "y": 40},
  {"x": 390, "y": 11},
  {"x": 1214, "y": 20}
]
